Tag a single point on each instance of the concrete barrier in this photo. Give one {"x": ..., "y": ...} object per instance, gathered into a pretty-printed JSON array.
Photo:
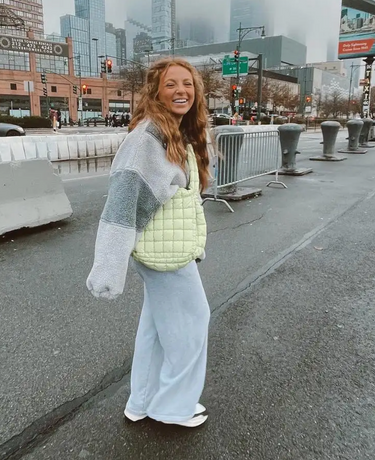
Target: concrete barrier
[
  {"x": 31, "y": 195},
  {"x": 60, "y": 147}
]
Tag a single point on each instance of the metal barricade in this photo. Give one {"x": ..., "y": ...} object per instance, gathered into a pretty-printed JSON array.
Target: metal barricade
[{"x": 240, "y": 157}]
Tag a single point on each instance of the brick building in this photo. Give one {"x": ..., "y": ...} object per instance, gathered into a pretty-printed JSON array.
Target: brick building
[{"x": 23, "y": 60}]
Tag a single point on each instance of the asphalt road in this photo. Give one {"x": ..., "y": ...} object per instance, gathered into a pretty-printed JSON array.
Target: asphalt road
[{"x": 60, "y": 348}]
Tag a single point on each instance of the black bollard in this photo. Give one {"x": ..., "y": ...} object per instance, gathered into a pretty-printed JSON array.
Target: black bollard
[
  {"x": 289, "y": 138},
  {"x": 330, "y": 130},
  {"x": 354, "y": 130}
]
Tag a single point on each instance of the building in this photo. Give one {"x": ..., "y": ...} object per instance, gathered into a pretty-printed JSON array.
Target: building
[
  {"x": 248, "y": 13},
  {"x": 195, "y": 31},
  {"x": 31, "y": 11},
  {"x": 276, "y": 51},
  {"x": 87, "y": 28},
  {"x": 120, "y": 35},
  {"x": 318, "y": 83},
  {"x": 163, "y": 23},
  {"x": 142, "y": 42},
  {"x": 22, "y": 90},
  {"x": 77, "y": 29},
  {"x": 138, "y": 19}
]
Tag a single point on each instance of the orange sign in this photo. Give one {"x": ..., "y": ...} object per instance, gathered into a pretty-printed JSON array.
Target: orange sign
[{"x": 356, "y": 47}]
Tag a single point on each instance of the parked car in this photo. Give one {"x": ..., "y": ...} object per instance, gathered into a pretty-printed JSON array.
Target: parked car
[
  {"x": 98, "y": 120},
  {"x": 7, "y": 130}
]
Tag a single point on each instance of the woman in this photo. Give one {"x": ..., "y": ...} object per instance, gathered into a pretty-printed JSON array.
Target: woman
[{"x": 148, "y": 215}]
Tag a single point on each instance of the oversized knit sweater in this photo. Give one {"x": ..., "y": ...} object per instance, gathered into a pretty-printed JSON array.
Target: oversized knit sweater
[{"x": 141, "y": 181}]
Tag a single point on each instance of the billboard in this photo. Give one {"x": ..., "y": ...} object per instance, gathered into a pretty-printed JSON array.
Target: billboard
[{"x": 357, "y": 30}]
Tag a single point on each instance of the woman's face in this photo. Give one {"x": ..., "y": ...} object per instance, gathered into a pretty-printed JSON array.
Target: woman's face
[{"x": 176, "y": 91}]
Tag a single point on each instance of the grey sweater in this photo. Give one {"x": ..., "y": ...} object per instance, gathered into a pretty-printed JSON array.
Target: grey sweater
[{"x": 141, "y": 181}]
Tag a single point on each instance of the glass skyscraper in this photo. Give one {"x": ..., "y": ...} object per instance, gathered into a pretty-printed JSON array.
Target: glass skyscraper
[
  {"x": 163, "y": 23},
  {"x": 250, "y": 13},
  {"x": 87, "y": 29}
]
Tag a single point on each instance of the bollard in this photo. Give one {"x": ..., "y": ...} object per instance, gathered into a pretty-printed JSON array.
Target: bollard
[
  {"x": 365, "y": 133},
  {"x": 229, "y": 148},
  {"x": 330, "y": 130},
  {"x": 289, "y": 137},
  {"x": 354, "y": 130},
  {"x": 87, "y": 123}
]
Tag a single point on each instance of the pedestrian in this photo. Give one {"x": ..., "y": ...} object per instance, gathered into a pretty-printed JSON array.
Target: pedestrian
[
  {"x": 58, "y": 118},
  {"x": 122, "y": 120},
  {"x": 127, "y": 119},
  {"x": 107, "y": 120},
  {"x": 154, "y": 216},
  {"x": 114, "y": 120}
]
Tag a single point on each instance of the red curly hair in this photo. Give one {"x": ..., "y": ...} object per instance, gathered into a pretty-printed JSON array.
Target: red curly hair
[{"x": 193, "y": 125}]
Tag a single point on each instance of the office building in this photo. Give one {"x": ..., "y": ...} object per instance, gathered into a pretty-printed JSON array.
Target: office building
[
  {"x": 142, "y": 42},
  {"x": 78, "y": 29},
  {"x": 196, "y": 31},
  {"x": 31, "y": 11},
  {"x": 120, "y": 35},
  {"x": 250, "y": 13},
  {"x": 163, "y": 23}
]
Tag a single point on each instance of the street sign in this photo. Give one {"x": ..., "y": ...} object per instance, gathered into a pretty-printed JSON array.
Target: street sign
[
  {"x": 80, "y": 104},
  {"x": 28, "y": 86},
  {"x": 230, "y": 66}
]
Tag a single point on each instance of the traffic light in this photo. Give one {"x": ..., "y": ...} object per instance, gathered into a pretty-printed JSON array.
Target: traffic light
[
  {"x": 43, "y": 78},
  {"x": 234, "y": 91},
  {"x": 104, "y": 66},
  {"x": 45, "y": 92},
  {"x": 109, "y": 66},
  {"x": 75, "y": 89},
  {"x": 308, "y": 99},
  {"x": 241, "y": 100},
  {"x": 236, "y": 56},
  {"x": 84, "y": 89}
]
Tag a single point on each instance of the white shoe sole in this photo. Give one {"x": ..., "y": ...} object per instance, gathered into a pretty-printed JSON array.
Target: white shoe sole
[
  {"x": 199, "y": 409},
  {"x": 197, "y": 420}
]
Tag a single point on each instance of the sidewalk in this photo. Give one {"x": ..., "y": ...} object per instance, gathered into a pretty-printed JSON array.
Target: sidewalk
[{"x": 290, "y": 374}]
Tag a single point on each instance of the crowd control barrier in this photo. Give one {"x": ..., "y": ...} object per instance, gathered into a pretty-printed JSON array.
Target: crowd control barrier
[
  {"x": 31, "y": 195},
  {"x": 240, "y": 157}
]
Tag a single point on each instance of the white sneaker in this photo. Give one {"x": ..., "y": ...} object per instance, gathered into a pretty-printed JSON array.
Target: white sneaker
[
  {"x": 199, "y": 409},
  {"x": 195, "y": 421}
]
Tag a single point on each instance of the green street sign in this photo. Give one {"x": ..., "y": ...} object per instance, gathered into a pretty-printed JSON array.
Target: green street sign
[{"x": 230, "y": 67}]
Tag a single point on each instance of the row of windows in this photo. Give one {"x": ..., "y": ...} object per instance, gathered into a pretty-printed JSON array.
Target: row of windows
[{"x": 13, "y": 87}]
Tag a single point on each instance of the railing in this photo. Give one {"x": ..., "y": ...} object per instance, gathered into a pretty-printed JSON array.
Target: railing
[{"x": 240, "y": 157}]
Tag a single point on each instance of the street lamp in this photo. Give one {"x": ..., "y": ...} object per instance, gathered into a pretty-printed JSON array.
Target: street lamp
[
  {"x": 242, "y": 32},
  {"x": 96, "y": 54}
]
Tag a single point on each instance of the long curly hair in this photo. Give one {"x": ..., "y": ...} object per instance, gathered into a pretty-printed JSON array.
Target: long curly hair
[{"x": 193, "y": 125}]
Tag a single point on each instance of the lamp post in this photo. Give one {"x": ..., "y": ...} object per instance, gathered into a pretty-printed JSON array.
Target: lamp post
[
  {"x": 242, "y": 32},
  {"x": 352, "y": 67},
  {"x": 96, "y": 54}
]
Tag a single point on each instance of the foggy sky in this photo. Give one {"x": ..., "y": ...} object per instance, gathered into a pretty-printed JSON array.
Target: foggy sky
[{"x": 315, "y": 22}]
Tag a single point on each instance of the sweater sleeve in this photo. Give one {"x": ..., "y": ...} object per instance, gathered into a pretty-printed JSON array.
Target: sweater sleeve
[{"x": 135, "y": 194}]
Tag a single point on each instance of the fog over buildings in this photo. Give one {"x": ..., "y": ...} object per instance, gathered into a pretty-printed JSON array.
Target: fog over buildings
[{"x": 315, "y": 23}]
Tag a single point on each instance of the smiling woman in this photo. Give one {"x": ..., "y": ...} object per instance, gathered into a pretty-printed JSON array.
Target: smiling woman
[{"x": 154, "y": 214}]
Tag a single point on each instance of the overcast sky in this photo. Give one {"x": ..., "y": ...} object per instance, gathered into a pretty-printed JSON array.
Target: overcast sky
[{"x": 313, "y": 21}]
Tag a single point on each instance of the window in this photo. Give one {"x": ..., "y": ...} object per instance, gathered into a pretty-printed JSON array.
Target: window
[
  {"x": 89, "y": 91},
  {"x": 119, "y": 93},
  {"x": 53, "y": 89},
  {"x": 13, "y": 86}
]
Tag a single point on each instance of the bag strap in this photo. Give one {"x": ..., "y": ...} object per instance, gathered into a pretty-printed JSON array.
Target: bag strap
[{"x": 193, "y": 166}]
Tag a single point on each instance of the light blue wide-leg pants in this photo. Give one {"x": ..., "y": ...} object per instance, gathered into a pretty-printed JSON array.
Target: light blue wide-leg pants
[{"x": 170, "y": 356}]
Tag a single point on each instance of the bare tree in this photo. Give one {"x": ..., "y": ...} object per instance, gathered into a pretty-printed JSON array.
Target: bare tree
[
  {"x": 334, "y": 104},
  {"x": 213, "y": 84},
  {"x": 132, "y": 78}
]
